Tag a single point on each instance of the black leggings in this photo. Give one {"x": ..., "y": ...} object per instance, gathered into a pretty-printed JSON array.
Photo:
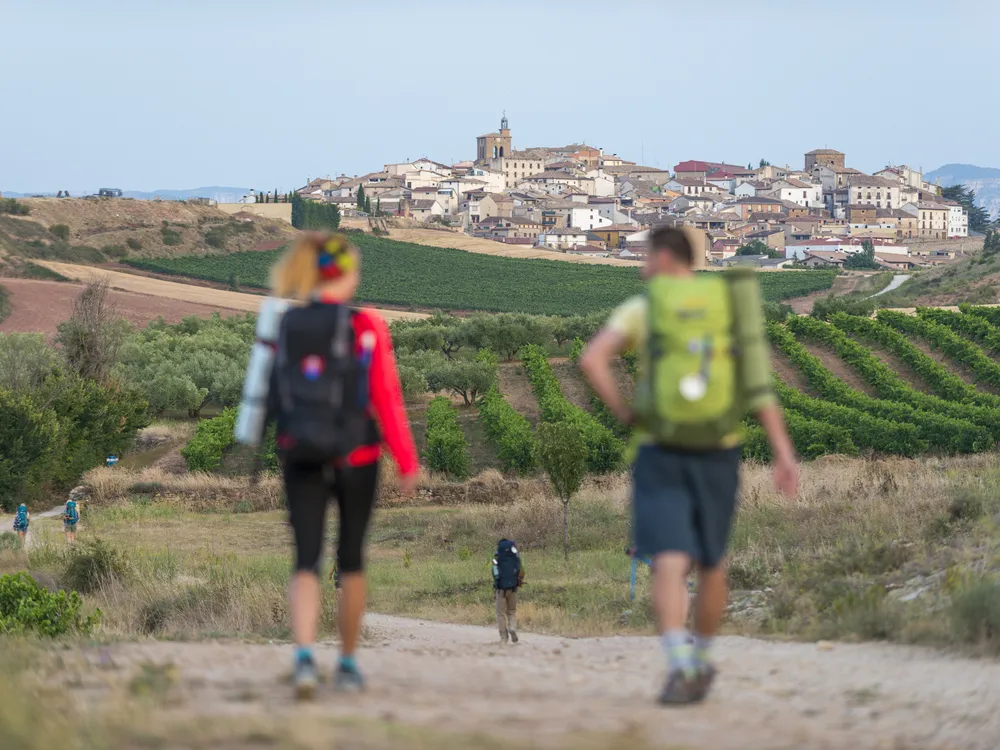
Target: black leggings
[{"x": 308, "y": 489}]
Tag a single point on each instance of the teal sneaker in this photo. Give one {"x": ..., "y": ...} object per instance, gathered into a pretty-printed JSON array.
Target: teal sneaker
[
  {"x": 305, "y": 679},
  {"x": 348, "y": 679}
]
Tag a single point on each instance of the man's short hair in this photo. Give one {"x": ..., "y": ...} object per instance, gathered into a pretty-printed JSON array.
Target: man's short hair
[{"x": 674, "y": 241}]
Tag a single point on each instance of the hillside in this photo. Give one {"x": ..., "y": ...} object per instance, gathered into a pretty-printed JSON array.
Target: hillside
[
  {"x": 96, "y": 231},
  {"x": 984, "y": 180},
  {"x": 974, "y": 279}
]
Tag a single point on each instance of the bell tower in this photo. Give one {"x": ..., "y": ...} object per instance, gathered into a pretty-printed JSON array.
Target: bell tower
[{"x": 494, "y": 145}]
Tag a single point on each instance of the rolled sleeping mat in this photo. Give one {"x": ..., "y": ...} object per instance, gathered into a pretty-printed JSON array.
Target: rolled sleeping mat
[
  {"x": 250, "y": 418},
  {"x": 753, "y": 352}
]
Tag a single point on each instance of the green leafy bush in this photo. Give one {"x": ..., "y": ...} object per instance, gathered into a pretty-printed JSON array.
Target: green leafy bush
[
  {"x": 26, "y": 607},
  {"x": 171, "y": 237},
  {"x": 510, "y": 433},
  {"x": 13, "y": 207},
  {"x": 60, "y": 230},
  {"x": 830, "y": 305},
  {"x": 563, "y": 452},
  {"x": 447, "y": 450},
  {"x": 91, "y": 564},
  {"x": 211, "y": 439},
  {"x": 29, "y": 436}
]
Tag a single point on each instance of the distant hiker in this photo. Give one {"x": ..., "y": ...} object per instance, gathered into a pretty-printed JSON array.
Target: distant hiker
[
  {"x": 508, "y": 575},
  {"x": 71, "y": 517},
  {"x": 21, "y": 522},
  {"x": 111, "y": 460},
  {"x": 332, "y": 389},
  {"x": 704, "y": 364}
]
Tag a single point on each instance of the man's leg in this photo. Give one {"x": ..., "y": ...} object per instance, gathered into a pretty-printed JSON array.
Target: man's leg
[
  {"x": 670, "y": 600},
  {"x": 501, "y": 603},
  {"x": 710, "y": 606},
  {"x": 664, "y": 532},
  {"x": 512, "y": 615},
  {"x": 714, "y": 480}
]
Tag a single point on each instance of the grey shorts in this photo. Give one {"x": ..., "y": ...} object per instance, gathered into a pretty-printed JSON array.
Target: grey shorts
[{"x": 684, "y": 501}]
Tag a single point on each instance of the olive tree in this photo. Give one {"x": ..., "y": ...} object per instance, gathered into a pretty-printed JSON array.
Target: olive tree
[{"x": 563, "y": 455}]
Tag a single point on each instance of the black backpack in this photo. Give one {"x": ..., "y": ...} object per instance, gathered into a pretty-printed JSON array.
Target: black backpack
[
  {"x": 319, "y": 387},
  {"x": 508, "y": 565}
]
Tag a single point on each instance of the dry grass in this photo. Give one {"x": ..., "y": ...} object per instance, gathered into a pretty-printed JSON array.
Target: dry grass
[{"x": 196, "y": 490}]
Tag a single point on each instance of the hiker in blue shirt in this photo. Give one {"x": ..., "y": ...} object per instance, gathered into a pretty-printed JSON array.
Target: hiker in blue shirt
[
  {"x": 21, "y": 522},
  {"x": 70, "y": 519}
]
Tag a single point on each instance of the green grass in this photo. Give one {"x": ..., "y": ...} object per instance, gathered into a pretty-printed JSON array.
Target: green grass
[
  {"x": 4, "y": 304},
  {"x": 406, "y": 274}
]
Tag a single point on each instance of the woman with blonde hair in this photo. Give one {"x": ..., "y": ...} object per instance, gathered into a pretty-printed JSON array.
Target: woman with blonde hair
[{"x": 335, "y": 396}]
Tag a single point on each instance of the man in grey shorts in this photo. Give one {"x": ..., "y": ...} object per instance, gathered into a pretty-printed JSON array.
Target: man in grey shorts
[{"x": 684, "y": 499}]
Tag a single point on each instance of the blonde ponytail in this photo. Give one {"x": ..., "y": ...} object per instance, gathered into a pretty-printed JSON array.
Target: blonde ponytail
[{"x": 297, "y": 275}]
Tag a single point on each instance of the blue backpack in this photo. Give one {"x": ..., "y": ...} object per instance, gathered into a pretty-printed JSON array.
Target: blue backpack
[
  {"x": 71, "y": 515},
  {"x": 21, "y": 519},
  {"x": 508, "y": 566}
]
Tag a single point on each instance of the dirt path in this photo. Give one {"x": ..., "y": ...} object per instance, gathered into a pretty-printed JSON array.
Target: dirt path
[
  {"x": 456, "y": 678},
  {"x": 183, "y": 292},
  {"x": 7, "y": 523}
]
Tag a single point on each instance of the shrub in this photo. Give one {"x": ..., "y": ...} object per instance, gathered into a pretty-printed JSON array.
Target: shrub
[
  {"x": 134, "y": 243},
  {"x": 776, "y": 312},
  {"x": 91, "y": 564},
  {"x": 446, "y": 451},
  {"x": 29, "y": 437},
  {"x": 13, "y": 207},
  {"x": 204, "y": 451},
  {"x": 60, "y": 230},
  {"x": 171, "y": 237},
  {"x": 563, "y": 455},
  {"x": 825, "y": 307},
  {"x": 975, "y": 614},
  {"x": 116, "y": 252},
  {"x": 26, "y": 607}
]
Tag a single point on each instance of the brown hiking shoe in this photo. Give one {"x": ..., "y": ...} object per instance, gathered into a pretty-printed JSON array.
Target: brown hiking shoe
[{"x": 683, "y": 688}]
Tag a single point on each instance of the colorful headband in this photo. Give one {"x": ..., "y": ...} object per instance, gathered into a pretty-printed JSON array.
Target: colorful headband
[{"x": 334, "y": 260}]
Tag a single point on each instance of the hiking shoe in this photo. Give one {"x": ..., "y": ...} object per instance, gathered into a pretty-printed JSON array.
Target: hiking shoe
[
  {"x": 305, "y": 679},
  {"x": 348, "y": 679},
  {"x": 682, "y": 688},
  {"x": 706, "y": 676},
  {"x": 513, "y": 637}
]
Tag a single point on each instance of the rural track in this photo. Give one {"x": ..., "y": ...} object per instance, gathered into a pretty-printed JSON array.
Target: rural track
[
  {"x": 457, "y": 678},
  {"x": 7, "y": 523},
  {"x": 176, "y": 290}
]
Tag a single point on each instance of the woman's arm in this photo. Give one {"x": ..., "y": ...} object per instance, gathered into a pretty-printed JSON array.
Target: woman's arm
[{"x": 387, "y": 399}]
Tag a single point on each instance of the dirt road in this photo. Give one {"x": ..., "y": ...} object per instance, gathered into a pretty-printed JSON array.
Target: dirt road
[
  {"x": 173, "y": 290},
  {"x": 457, "y": 678}
]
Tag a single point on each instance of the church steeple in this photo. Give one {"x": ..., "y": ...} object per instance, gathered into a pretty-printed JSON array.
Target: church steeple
[{"x": 503, "y": 122}]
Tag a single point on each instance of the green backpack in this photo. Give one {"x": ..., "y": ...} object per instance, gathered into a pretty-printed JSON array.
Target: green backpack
[{"x": 692, "y": 392}]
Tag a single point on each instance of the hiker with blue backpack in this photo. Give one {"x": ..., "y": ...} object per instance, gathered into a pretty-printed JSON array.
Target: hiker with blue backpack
[
  {"x": 22, "y": 519},
  {"x": 508, "y": 576},
  {"x": 71, "y": 517},
  {"x": 704, "y": 365}
]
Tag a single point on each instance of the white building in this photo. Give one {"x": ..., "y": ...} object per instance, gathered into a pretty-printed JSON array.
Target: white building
[
  {"x": 865, "y": 190},
  {"x": 423, "y": 178},
  {"x": 562, "y": 239},
  {"x": 805, "y": 194},
  {"x": 420, "y": 164},
  {"x": 797, "y": 249},
  {"x": 958, "y": 219}
]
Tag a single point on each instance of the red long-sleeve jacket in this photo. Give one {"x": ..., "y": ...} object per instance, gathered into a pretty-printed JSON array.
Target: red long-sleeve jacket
[{"x": 386, "y": 396}]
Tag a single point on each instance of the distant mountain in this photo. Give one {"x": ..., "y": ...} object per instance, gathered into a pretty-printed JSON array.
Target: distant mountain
[
  {"x": 984, "y": 180},
  {"x": 215, "y": 192}
]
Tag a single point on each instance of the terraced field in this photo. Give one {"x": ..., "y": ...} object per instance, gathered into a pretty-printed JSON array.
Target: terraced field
[{"x": 939, "y": 396}]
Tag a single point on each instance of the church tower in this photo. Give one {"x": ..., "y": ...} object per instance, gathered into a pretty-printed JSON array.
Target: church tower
[{"x": 494, "y": 145}]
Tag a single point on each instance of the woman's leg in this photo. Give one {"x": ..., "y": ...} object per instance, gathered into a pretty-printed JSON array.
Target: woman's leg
[
  {"x": 355, "y": 489},
  {"x": 308, "y": 492}
]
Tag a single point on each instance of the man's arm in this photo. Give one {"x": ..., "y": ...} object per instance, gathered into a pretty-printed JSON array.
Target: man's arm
[
  {"x": 596, "y": 365},
  {"x": 786, "y": 471}
]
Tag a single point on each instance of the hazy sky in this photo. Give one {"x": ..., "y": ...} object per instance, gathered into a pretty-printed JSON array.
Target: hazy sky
[{"x": 176, "y": 94}]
